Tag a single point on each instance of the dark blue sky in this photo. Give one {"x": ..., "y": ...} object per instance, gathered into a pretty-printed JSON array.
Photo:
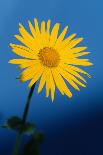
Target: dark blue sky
[{"x": 71, "y": 126}]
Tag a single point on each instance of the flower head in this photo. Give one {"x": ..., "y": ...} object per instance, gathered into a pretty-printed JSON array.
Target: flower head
[{"x": 50, "y": 57}]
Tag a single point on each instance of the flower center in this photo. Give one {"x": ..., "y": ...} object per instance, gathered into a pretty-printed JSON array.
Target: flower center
[{"x": 49, "y": 57}]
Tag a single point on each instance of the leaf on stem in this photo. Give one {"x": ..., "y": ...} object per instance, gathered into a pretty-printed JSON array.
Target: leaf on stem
[{"x": 15, "y": 123}]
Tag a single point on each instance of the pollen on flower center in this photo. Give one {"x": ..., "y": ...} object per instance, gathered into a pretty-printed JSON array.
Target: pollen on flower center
[{"x": 49, "y": 57}]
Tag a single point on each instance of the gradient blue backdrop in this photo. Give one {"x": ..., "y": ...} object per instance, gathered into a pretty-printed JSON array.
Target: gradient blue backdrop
[{"x": 71, "y": 126}]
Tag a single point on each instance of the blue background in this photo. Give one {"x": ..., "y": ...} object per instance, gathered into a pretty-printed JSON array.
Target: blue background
[{"x": 71, "y": 126}]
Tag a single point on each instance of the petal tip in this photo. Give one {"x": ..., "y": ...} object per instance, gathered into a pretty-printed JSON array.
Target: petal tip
[{"x": 10, "y": 61}]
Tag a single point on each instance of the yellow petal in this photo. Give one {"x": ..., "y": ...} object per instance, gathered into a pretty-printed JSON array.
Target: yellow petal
[
  {"x": 81, "y": 54},
  {"x": 23, "y": 51},
  {"x": 48, "y": 79},
  {"x": 44, "y": 36},
  {"x": 26, "y": 64},
  {"x": 77, "y": 75},
  {"x": 48, "y": 83},
  {"x": 72, "y": 78},
  {"x": 43, "y": 80},
  {"x": 29, "y": 72},
  {"x": 20, "y": 39},
  {"x": 36, "y": 35},
  {"x": 60, "y": 83},
  {"x": 79, "y": 62},
  {"x": 74, "y": 42},
  {"x": 48, "y": 26},
  {"x": 79, "y": 70},
  {"x": 66, "y": 42},
  {"x": 19, "y": 61},
  {"x": 26, "y": 42},
  {"x": 52, "y": 87},
  {"x": 31, "y": 44},
  {"x": 42, "y": 27},
  {"x": 36, "y": 77},
  {"x": 36, "y": 26},
  {"x": 61, "y": 36},
  {"x": 32, "y": 29},
  {"x": 68, "y": 69},
  {"x": 54, "y": 34},
  {"x": 57, "y": 79},
  {"x": 77, "y": 49},
  {"x": 24, "y": 33},
  {"x": 65, "y": 75}
]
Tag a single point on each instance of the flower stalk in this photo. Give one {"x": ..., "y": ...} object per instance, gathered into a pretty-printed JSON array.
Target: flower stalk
[{"x": 24, "y": 117}]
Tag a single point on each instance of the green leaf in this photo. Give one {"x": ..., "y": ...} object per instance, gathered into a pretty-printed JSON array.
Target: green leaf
[
  {"x": 15, "y": 123},
  {"x": 38, "y": 136},
  {"x": 28, "y": 128},
  {"x": 32, "y": 146}
]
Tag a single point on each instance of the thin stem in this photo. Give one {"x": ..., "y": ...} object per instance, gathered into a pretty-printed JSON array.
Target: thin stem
[
  {"x": 28, "y": 103},
  {"x": 25, "y": 114}
]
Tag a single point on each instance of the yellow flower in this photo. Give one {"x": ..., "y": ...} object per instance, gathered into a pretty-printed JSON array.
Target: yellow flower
[{"x": 50, "y": 58}]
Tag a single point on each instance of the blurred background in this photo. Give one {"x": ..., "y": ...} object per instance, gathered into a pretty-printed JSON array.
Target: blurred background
[{"x": 70, "y": 126}]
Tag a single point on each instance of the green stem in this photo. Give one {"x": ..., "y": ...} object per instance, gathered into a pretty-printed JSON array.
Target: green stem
[
  {"x": 17, "y": 144},
  {"x": 25, "y": 114}
]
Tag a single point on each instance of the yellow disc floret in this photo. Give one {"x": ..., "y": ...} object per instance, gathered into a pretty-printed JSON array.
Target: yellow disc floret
[{"x": 49, "y": 57}]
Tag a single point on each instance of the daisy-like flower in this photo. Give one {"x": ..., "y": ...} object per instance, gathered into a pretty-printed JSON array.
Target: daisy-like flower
[{"x": 50, "y": 58}]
